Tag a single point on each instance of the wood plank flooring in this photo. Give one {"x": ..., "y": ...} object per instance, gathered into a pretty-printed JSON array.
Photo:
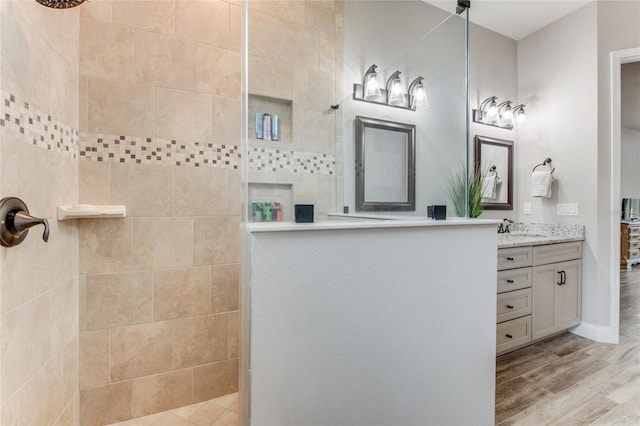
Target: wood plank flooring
[{"x": 570, "y": 380}]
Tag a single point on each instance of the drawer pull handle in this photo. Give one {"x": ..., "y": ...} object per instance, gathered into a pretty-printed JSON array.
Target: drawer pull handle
[
  {"x": 509, "y": 336},
  {"x": 510, "y": 281},
  {"x": 510, "y": 306},
  {"x": 510, "y": 259}
]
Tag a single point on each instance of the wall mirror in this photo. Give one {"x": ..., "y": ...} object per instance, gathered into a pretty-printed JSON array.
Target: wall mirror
[
  {"x": 385, "y": 165},
  {"x": 494, "y": 159}
]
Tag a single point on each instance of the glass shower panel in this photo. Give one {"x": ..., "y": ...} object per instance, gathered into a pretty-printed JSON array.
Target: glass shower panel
[
  {"x": 419, "y": 40},
  {"x": 303, "y": 58}
]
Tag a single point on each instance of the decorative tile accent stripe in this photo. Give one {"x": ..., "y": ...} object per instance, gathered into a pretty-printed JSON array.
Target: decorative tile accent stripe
[
  {"x": 36, "y": 127},
  {"x": 141, "y": 150},
  {"x": 275, "y": 160}
]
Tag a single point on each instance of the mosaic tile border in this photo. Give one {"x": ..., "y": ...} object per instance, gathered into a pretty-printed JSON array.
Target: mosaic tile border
[
  {"x": 275, "y": 160},
  {"x": 31, "y": 125},
  {"x": 141, "y": 150}
]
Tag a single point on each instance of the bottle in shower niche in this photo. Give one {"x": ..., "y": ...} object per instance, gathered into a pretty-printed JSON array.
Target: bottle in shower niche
[
  {"x": 266, "y": 127},
  {"x": 277, "y": 211},
  {"x": 275, "y": 131},
  {"x": 267, "y": 213}
]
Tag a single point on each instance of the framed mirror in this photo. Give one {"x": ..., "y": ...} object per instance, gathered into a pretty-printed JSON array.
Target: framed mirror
[
  {"x": 385, "y": 165},
  {"x": 494, "y": 159}
]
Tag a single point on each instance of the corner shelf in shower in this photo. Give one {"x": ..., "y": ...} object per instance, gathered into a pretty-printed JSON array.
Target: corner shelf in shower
[{"x": 91, "y": 211}]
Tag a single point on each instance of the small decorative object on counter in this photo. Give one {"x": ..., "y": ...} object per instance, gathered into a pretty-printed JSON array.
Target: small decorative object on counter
[
  {"x": 304, "y": 213},
  {"x": 437, "y": 212}
]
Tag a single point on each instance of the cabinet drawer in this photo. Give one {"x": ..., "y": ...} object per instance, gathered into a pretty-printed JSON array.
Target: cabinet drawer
[
  {"x": 634, "y": 236},
  {"x": 514, "y": 304},
  {"x": 513, "y": 333},
  {"x": 514, "y": 279},
  {"x": 553, "y": 253},
  {"x": 634, "y": 244},
  {"x": 516, "y": 257},
  {"x": 634, "y": 254}
]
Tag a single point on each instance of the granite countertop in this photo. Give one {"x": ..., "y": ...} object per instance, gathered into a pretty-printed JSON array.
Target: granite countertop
[{"x": 536, "y": 234}]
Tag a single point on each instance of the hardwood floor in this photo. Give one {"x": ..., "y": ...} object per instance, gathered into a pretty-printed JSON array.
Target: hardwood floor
[{"x": 570, "y": 380}]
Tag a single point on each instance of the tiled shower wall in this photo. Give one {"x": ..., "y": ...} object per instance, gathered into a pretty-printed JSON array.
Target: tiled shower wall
[
  {"x": 160, "y": 133},
  {"x": 39, "y": 164}
]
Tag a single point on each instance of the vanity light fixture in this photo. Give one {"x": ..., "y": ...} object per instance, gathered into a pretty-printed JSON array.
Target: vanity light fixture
[
  {"x": 393, "y": 94},
  {"x": 417, "y": 94},
  {"x": 499, "y": 115},
  {"x": 370, "y": 84}
]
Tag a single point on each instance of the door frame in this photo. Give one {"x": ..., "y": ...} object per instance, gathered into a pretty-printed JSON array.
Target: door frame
[{"x": 618, "y": 58}]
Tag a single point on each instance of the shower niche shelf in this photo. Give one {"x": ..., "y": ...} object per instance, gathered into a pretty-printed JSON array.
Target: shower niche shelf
[
  {"x": 267, "y": 105},
  {"x": 91, "y": 211}
]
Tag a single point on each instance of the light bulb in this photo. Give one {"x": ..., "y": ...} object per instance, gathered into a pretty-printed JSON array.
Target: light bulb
[
  {"x": 507, "y": 117},
  {"x": 396, "y": 97},
  {"x": 520, "y": 116},
  {"x": 372, "y": 87},
  {"x": 420, "y": 97},
  {"x": 492, "y": 112}
]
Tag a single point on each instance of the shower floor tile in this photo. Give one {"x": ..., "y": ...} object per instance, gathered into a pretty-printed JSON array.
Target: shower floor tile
[{"x": 221, "y": 411}]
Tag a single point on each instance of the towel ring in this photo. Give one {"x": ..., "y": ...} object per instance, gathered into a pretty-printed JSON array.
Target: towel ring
[
  {"x": 495, "y": 171},
  {"x": 544, "y": 163}
]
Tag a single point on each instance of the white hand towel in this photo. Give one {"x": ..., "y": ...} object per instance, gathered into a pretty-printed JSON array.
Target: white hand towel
[
  {"x": 541, "y": 183},
  {"x": 489, "y": 187}
]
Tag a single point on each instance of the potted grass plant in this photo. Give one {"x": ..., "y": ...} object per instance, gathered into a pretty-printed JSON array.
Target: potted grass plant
[{"x": 456, "y": 189}]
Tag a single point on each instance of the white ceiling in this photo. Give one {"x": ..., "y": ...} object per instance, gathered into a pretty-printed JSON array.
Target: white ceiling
[{"x": 515, "y": 19}]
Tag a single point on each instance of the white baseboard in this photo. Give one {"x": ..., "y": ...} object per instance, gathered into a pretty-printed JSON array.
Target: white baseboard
[{"x": 599, "y": 333}]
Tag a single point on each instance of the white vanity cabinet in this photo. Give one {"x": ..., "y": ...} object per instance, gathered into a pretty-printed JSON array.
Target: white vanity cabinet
[{"x": 539, "y": 292}]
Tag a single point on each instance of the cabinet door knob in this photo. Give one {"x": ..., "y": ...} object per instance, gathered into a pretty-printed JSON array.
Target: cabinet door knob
[
  {"x": 510, "y": 281},
  {"x": 509, "y": 336},
  {"x": 510, "y": 306}
]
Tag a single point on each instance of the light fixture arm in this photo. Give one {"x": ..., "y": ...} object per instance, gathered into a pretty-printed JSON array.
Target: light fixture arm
[
  {"x": 504, "y": 104},
  {"x": 518, "y": 107},
  {"x": 394, "y": 76},
  {"x": 487, "y": 101},
  {"x": 413, "y": 85},
  {"x": 371, "y": 70}
]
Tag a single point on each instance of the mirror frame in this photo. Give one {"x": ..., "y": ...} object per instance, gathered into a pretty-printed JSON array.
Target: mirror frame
[
  {"x": 361, "y": 123},
  {"x": 484, "y": 140}
]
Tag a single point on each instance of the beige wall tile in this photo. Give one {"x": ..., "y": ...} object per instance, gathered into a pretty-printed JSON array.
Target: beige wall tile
[
  {"x": 105, "y": 404},
  {"x": 226, "y": 121},
  {"x": 106, "y": 50},
  {"x": 183, "y": 115},
  {"x": 233, "y": 335},
  {"x": 326, "y": 52},
  {"x": 319, "y": 132},
  {"x": 150, "y": 15},
  {"x": 181, "y": 293},
  {"x": 70, "y": 371},
  {"x": 142, "y": 188},
  {"x": 234, "y": 192},
  {"x": 40, "y": 399},
  {"x": 163, "y": 242},
  {"x": 118, "y": 299},
  {"x": 94, "y": 182},
  {"x": 106, "y": 245},
  {"x": 83, "y": 104},
  {"x": 118, "y": 108},
  {"x": 199, "y": 340},
  {"x": 21, "y": 357},
  {"x": 140, "y": 350},
  {"x": 82, "y": 302},
  {"x": 218, "y": 71},
  {"x": 216, "y": 240},
  {"x": 94, "y": 358},
  {"x": 68, "y": 417},
  {"x": 63, "y": 316},
  {"x": 162, "y": 392},
  {"x": 97, "y": 9},
  {"x": 9, "y": 411},
  {"x": 164, "y": 61},
  {"x": 321, "y": 15},
  {"x": 227, "y": 418},
  {"x": 316, "y": 96},
  {"x": 269, "y": 78},
  {"x": 235, "y": 28},
  {"x": 63, "y": 93},
  {"x": 214, "y": 380},
  {"x": 297, "y": 45},
  {"x": 225, "y": 284},
  {"x": 200, "y": 191},
  {"x": 203, "y": 21},
  {"x": 263, "y": 35}
]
